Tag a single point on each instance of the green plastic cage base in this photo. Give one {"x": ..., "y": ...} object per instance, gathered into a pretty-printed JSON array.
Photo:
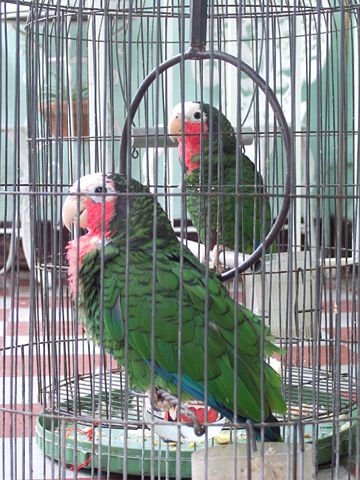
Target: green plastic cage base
[
  {"x": 93, "y": 399},
  {"x": 347, "y": 429},
  {"x": 139, "y": 443}
]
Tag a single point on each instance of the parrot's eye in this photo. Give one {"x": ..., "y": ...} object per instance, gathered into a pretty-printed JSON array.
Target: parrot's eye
[
  {"x": 100, "y": 190},
  {"x": 197, "y": 115}
]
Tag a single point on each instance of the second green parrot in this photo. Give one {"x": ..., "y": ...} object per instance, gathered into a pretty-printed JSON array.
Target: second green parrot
[{"x": 190, "y": 125}]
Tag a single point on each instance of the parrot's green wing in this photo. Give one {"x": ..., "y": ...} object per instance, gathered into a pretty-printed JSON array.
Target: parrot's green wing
[
  {"x": 221, "y": 346},
  {"x": 251, "y": 202},
  {"x": 90, "y": 295},
  {"x": 168, "y": 309}
]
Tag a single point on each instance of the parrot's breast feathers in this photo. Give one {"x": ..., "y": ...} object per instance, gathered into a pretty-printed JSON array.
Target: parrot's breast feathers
[
  {"x": 77, "y": 249},
  {"x": 75, "y": 253},
  {"x": 192, "y": 144}
]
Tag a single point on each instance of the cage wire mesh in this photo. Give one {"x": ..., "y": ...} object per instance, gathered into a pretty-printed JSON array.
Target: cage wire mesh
[{"x": 69, "y": 73}]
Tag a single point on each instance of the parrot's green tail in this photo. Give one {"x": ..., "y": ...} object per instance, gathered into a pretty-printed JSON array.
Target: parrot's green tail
[{"x": 271, "y": 433}]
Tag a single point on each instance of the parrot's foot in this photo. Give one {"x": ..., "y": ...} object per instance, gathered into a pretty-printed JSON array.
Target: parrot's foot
[
  {"x": 203, "y": 257},
  {"x": 215, "y": 255},
  {"x": 164, "y": 401},
  {"x": 161, "y": 399},
  {"x": 214, "y": 258}
]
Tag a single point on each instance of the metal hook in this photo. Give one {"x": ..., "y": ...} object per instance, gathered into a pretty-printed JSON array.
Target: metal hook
[
  {"x": 198, "y": 18},
  {"x": 135, "y": 153}
]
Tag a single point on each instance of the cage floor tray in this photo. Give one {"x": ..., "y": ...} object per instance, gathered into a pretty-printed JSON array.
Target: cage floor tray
[
  {"x": 139, "y": 447},
  {"x": 145, "y": 452},
  {"x": 140, "y": 455}
]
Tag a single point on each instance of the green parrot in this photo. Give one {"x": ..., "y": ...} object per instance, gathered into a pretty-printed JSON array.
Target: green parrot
[
  {"x": 223, "y": 171},
  {"x": 172, "y": 308}
]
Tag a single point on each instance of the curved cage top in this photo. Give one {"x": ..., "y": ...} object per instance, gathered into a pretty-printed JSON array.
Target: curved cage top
[{"x": 220, "y": 9}]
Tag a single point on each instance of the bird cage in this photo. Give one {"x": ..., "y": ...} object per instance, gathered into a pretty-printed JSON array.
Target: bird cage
[{"x": 94, "y": 86}]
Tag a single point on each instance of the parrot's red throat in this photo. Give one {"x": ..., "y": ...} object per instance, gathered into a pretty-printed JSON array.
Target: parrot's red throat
[
  {"x": 94, "y": 215},
  {"x": 78, "y": 248},
  {"x": 192, "y": 143}
]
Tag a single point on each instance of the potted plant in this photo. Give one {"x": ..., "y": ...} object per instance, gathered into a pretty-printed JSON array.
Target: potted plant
[{"x": 64, "y": 110}]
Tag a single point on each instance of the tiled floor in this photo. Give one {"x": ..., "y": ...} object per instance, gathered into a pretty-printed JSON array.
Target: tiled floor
[{"x": 19, "y": 374}]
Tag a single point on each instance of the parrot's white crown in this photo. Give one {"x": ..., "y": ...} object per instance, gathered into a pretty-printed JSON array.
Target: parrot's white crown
[
  {"x": 88, "y": 182},
  {"x": 189, "y": 109}
]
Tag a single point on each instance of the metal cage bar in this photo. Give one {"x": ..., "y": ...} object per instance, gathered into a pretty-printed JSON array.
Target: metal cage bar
[{"x": 93, "y": 86}]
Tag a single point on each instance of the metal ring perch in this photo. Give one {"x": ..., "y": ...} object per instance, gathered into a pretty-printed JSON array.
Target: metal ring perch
[{"x": 197, "y": 52}]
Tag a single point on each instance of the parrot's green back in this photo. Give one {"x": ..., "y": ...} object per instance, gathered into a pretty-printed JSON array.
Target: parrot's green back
[{"x": 173, "y": 312}]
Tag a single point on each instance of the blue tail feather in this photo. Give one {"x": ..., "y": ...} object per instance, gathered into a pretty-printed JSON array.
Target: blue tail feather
[{"x": 271, "y": 434}]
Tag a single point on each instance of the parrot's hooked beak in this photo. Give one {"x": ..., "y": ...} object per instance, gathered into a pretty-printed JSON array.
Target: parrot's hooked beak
[
  {"x": 72, "y": 209},
  {"x": 175, "y": 127}
]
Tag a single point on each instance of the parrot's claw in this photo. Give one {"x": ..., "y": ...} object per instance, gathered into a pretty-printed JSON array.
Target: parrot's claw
[
  {"x": 160, "y": 399},
  {"x": 199, "y": 429},
  {"x": 214, "y": 262},
  {"x": 164, "y": 401},
  {"x": 215, "y": 258}
]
